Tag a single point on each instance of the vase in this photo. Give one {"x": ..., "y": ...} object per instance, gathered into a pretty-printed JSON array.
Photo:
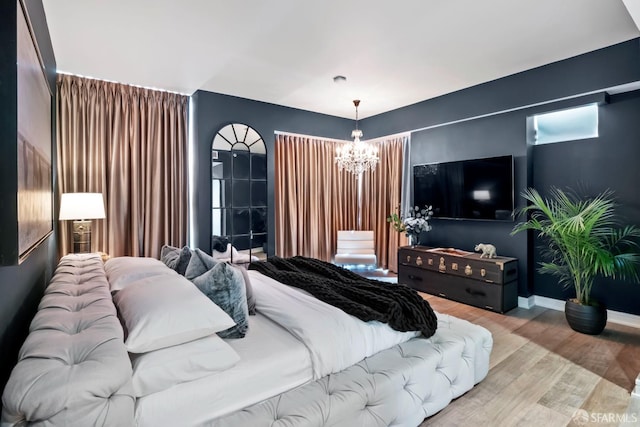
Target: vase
[
  {"x": 587, "y": 319},
  {"x": 413, "y": 240}
]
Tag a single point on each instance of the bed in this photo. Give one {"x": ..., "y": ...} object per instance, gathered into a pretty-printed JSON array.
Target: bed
[{"x": 300, "y": 362}]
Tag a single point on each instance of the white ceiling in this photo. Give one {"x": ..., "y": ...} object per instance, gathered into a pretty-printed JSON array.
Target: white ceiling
[{"x": 288, "y": 51}]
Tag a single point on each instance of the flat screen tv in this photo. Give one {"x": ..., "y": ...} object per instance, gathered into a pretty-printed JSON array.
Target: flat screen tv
[{"x": 467, "y": 189}]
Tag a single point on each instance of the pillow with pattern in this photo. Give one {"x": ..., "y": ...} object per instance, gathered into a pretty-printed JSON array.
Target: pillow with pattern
[
  {"x": 224, "y": 285},
  {"x": 201, "y": 262}
]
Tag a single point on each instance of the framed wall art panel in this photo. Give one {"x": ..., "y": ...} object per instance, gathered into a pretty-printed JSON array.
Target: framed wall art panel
[{"x": 35, "y": 186}]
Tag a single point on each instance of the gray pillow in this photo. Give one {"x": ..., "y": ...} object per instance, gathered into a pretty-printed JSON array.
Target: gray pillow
[
  {"x": 224, "y": 285},
  {"x": 175, "y": 258},
  {"x": 199, "y": 263},
  {"x": 251, "y": 300},
  {"x": 169, "y": 256},
  {"x": 219, "y": 243}
]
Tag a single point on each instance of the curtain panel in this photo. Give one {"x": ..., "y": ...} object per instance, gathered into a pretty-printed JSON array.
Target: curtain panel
[
  {"x": 130, "y": 144},
  {"x": 381, "y": 196},
  {"x": 313, "y": 199}
]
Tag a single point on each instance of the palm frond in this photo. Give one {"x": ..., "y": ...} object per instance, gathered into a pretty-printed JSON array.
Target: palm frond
[{"x": 584, "y": 238}]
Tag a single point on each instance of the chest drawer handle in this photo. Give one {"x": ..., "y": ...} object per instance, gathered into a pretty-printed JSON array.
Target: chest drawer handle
[
  {"x": 475, "y": 293},
  {"x": 412, "y": 277},
  {"x": 468, "y": 271},
  {"x": 418, "y": 261},
  {"x": 442, "y": 266},
  {"x": 483, "y": 272}
]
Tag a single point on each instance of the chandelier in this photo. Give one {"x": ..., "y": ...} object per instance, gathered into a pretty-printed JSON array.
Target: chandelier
[{"x": 357, "y": 156}]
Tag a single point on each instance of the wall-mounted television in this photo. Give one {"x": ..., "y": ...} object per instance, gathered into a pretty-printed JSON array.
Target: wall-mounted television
[{"x": 466, "y": 189}]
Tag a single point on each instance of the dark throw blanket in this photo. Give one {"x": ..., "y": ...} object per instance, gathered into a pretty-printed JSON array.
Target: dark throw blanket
[{"x": 396, "y": 304}]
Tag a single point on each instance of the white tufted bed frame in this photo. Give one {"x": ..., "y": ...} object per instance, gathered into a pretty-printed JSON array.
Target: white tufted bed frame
[{"x": 74, "y": 370}]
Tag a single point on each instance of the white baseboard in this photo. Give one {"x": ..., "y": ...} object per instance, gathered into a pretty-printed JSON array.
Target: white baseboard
[
  {"x": 552, "y": 303},
  {"x": 526, "y": 302},
  {"x": 618, "y": 317}
]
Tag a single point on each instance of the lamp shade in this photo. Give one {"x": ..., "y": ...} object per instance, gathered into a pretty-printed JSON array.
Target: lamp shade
[{"x": 81, "y": 206}]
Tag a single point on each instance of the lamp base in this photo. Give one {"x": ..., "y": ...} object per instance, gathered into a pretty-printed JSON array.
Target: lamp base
[{"x": 81, "y": 236}]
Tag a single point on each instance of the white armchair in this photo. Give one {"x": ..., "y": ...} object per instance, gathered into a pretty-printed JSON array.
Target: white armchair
[{"x": 356, "y": 248}]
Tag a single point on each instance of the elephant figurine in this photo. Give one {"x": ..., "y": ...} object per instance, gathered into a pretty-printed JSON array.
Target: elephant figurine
[{"x": 488, "y": 251}]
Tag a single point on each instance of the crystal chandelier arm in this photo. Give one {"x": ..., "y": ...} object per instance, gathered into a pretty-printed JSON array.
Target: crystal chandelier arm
[{"x": 357, "y": 156}]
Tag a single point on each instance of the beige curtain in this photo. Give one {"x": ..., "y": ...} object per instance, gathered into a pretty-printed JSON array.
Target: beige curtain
[
  {"x": 313, "y": 199},
  {"x": 130, "y": 144},
  {"x": 381, "y": 195}
]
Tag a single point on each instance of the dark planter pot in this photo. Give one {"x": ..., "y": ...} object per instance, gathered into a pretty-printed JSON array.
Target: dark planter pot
[{"x": 587, "y": 319}]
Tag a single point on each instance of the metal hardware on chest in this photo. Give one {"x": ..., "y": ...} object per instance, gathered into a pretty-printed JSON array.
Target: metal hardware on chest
[{"x": 485, "y": 283}]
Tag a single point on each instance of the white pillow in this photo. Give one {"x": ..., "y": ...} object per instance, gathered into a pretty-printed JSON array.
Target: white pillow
[
  {"x": 122, "y": 271},
  {"x": 163, "y": 311},
  {"x": 158, "y": 370}
]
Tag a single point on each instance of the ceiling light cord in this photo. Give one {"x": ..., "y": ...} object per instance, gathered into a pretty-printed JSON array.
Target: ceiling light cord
[{"x": 356, "y": 102}]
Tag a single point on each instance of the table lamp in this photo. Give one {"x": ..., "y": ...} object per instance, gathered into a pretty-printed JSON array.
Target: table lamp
[{"x": 81, "y": 208}]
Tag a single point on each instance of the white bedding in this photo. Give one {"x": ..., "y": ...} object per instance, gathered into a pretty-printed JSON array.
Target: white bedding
[
  {"x": 294, "y": 338},
  {"x": 335, "y": 339},
  {"x": 271, "y": 362}
]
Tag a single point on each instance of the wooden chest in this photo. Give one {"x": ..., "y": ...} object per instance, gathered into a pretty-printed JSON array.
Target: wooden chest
[{"x": 461, "y": 276}]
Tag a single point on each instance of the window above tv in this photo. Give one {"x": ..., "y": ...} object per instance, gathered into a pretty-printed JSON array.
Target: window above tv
[{"x": 570, "y": 124}]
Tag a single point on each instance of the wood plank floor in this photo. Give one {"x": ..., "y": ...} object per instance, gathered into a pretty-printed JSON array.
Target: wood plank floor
[{"x": 542, "y": 373}]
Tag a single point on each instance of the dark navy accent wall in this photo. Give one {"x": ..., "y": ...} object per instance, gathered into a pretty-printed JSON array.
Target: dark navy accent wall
[
  {"x": 487, "y": 137},
  {"x": 21, "y": 286},
  {"x": 213, "y": 111},
  {"x": 476, "y": 122},
  {"x": 591, "y": 166}
]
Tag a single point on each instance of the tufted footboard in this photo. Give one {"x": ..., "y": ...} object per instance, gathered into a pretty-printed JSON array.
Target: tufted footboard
[
  {"x": 396, "y": 387},
  {"x": 73, "y": 368}
]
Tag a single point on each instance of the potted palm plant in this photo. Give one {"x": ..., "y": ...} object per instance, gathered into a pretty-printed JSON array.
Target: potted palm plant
[{"x": 584, "y": 239}]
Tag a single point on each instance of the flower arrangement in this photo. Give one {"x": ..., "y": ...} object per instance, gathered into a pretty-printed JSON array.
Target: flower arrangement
[{"x": 413, "y": 223}]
